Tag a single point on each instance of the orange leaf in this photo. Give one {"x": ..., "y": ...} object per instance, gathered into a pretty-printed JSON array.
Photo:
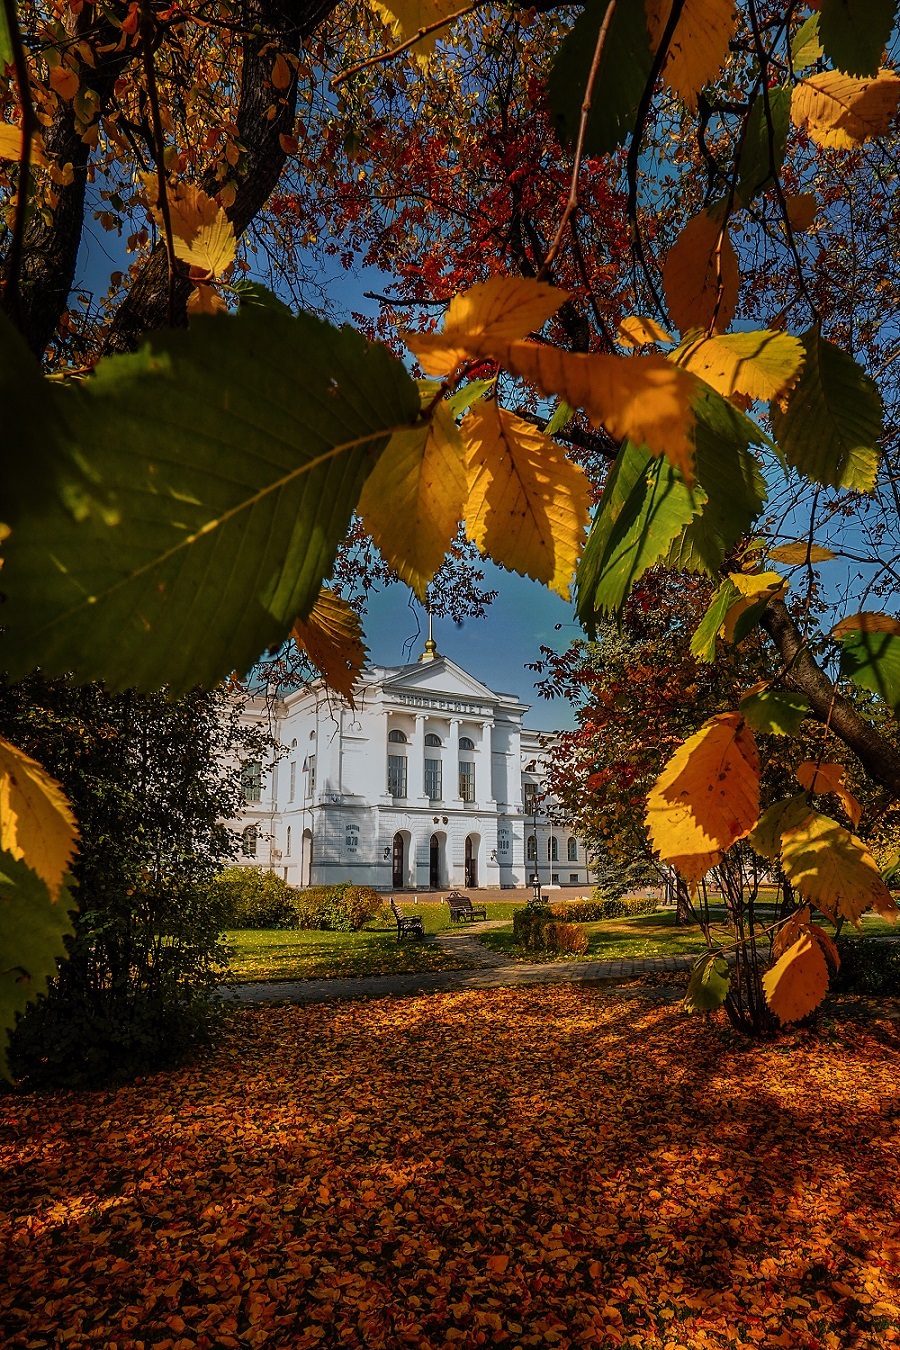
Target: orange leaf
[
  {"x": 332, "y": 639},
  {"x": 798, "y": 982},
  {"x": 205, "y": 299},
  {"x": 281, "y": 73},
  {"x": 497, "y": 1264},
  {"x": 801, "y": 210},
  {"x": 829, "y": 777},
  {"x": 867, "y": 622},
  {"x": 788, "y": 934},
  {"x": 701, "y": 261},
  {"x": 706, "y": 797},
  {"x": 65, "y": 82},
  {"x": 841, "y": 111}
]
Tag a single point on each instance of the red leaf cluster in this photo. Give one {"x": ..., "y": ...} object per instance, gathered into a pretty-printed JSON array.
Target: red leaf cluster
[{"x": 557, "y": 1166}]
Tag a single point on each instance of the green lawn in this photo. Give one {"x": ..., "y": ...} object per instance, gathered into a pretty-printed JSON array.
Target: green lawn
[
  {"x": 266, "y": 954},
  {"x": 650, "y": 935}
]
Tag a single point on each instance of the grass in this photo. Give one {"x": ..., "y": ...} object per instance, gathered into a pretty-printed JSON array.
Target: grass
[
  {"x": 267, "y": 954},
  {"x": 648, "y": 935}
]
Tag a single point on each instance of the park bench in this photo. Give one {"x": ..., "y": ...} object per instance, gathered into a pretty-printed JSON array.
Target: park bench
[
  {"x": 408, "y": 927},
  {"x": 462, "y": 909}
]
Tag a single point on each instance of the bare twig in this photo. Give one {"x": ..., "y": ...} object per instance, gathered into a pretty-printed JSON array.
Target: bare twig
[
  {"x": 572, "y": 203},
  {"x": 147, "y": 28},
  {"x": 29, "y": 127},
  {"x": 404, "y": 46}
]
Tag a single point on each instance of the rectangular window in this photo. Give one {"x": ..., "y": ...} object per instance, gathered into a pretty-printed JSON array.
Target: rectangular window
[
  {"x": 293, "y": 780},
  {"x": 312, "y": 775},
  {"x": 573, "y": 876},
  {"x": 466, "y": 781},
  {"x": 530, "y": 796},
  {"x": 251, "y": 780},
  {"x": 554, "y": 880},
  {"x": 397, "y": 775},
  {"x": 433, "y": 779}
]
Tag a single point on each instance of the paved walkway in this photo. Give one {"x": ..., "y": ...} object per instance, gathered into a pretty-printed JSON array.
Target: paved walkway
[{"x": 491, "y": 971}]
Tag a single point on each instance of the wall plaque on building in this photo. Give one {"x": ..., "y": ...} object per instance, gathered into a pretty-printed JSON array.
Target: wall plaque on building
[
  {"x": 351, "y": 838},
  {"x": 504, "y": 845},
  {"x": 443, "y": 704}
]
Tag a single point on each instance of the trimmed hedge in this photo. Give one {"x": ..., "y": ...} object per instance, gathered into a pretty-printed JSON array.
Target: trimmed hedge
[
  {"x": 601, "y": 907},
  {"x": 867, "y": 967},
  {"x": 564, "y": 937}
]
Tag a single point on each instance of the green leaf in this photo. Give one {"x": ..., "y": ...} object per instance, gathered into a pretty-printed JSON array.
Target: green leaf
[
  {"x": 806, "y": 47},
  {"x": 470, "y": 393},
  {"x": 777, "y": 712},
  {"x": 703, "y": 643},
  {"x": 709, "y": 984},
  {"x": 562, "y": 414},
  {"x": 645, "y": 505},
  {"x": 765, "y": 837},
  {"x": 32, "y": 929},
  {"x": 890, "y": 873},
  {"x": 732, "y": 480},
  {"x": 854, "y": 33},
  {"x": 872, "y": 660},
  {"x": 7, "y": 56},
  {"x": 253, "y": 295},
  {"x": 765, "y": 142},
  {"x": 746, "y": 622},
  {"x": 833, "y": 420},
  {"x": 624, "y": 70},
  {"x": 236, "y": 452}
]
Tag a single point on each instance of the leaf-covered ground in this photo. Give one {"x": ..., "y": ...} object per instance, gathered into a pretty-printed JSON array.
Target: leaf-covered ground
[{"x": 544, "y": 1166}]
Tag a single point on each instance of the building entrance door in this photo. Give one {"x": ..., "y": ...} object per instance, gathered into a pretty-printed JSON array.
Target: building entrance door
[
  {"x": 471, "y": 863},
  {"x": 398, "y": 862},
  {"x": 434, "y": 863}
]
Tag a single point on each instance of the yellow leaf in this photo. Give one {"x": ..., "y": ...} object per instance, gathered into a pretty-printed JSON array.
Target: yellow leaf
[
  {"x": 414, "y": 498},
  {"x": 829, "y": 777},
  {"x": 640, "y": 329},
  {"x": 502, "y": 309},
  {"x": 36, "y": 821},
  {"x": 11, "y": 144},
  {"x": 788, "y": 934},
  {"x": 699, "y": 46},
  {"x": 706, "y": 797},
  {"x": 753, "y": 587},
  {"x": 642, "y": 398},
  {"x": 700, "y": 264},
  {"x": 333, "y": 640},
  {"x": 281, "y": 73},
  {"x": 204, "y": 236},
  {"x": 867, "y": 622},
  {"x": 842, "y": 111},
  {"x": 760, "y": 365},
  {"x": 831, "y": 867},
  {"x": 799, "y": 552},
  {"x": 798, "y": 982},
  {"x": 528, "y": 505},
  {"x": 205, "y": 299},
  {"x": 65, "y": 82},
  {"x": 765, "y": 837},
  {"x": 405, "y": 18},
  {"x": 801, "y": 210}
]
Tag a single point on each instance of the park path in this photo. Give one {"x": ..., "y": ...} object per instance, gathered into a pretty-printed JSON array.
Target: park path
[{"x": 486, "y": 970}]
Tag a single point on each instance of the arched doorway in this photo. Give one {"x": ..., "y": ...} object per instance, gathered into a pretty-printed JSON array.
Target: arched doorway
[
  {"x": 471, "y": 861},
  {"x": 306, "y": 858},
  {"x": 434, "y": 863},
  {"x": 399, "y": 869}
]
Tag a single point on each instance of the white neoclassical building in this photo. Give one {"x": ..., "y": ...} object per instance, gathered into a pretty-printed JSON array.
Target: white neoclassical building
[{"x": 431, "y": 782}]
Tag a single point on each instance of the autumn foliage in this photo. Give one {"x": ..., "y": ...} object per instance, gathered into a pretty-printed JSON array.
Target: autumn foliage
[{"x": 521, "y": 1168}]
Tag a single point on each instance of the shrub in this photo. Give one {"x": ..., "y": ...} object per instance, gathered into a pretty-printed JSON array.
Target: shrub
[
  {"x": 579, "y": 911},
  {"x": 528, "y": 926},
  {"x": 616, "y": 907},
  {"x": 867, "y": 967},
  {"x": 344, "y": 907},
  {"x": 252, "y": 898},
  {"x": 564, "y": 937}
]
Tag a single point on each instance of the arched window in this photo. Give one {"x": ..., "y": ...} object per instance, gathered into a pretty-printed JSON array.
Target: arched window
[
  {"x": 431, "y": 739},
  {"x": 248, "y": 841},
  {"x": 572, "y": 849},
  {"x": 287, "y": 843},
  {"x": 531, "y": 849},
  {"x": 397, "y": 737},
  {"x": 552, "y": 849},
  {"x": 466, "y": 743}
]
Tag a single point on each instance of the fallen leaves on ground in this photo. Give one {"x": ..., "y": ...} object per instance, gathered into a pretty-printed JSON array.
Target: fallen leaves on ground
[{"x": 532, "y": 1167}]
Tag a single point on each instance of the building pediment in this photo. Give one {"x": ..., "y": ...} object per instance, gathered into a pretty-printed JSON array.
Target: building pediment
[{"x": 439, "y": 682}]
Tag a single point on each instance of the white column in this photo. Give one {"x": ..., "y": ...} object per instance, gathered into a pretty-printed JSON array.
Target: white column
[
  {"x": 415, "y": 767},
  {"x": 453, "y": 752},
  {"x": 484, "y": 788}
]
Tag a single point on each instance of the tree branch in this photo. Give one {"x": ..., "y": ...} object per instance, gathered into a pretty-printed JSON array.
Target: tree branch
[{"x": 879, "y": 758}]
